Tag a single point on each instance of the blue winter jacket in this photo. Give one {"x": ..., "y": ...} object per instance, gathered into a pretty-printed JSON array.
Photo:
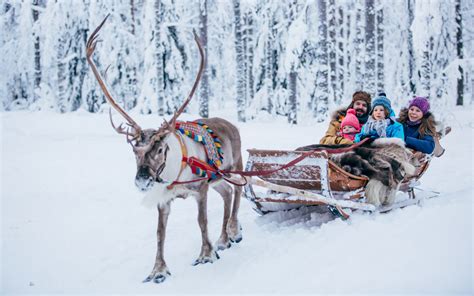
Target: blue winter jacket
[
  {"x": 394, "y": 130},
  {"x": 414, "y": 140}
]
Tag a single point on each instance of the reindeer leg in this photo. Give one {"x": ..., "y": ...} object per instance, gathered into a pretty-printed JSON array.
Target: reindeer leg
[
  {"x": 160, "y": 271},
  {"x": 234, "y": 230},
  {"x": 207, "y": 251},
  {"x": 226, "y": 192}
]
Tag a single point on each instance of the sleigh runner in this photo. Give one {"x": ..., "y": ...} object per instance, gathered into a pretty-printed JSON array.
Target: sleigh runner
[{"x": 316, "y": 180}]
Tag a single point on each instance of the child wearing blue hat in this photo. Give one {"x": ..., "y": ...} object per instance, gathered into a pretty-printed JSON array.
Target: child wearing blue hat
[{"x": 381, "y": 123}]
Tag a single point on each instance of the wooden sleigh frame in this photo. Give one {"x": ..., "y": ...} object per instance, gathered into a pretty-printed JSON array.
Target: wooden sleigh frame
[{"x": 315, "y": 181}]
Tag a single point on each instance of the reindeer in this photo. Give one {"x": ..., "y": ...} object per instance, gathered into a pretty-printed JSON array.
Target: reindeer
[{"x": 159, "y": 157}]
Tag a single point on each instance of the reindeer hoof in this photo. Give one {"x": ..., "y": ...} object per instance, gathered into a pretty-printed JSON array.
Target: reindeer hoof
[
  {"x": 157, "y": 277},
  {"x": 236, "y": 235},
  {"x": 222, "y": 245},
  {"x": 237, "y": 239},
  {"x": 206, "y": 259}
]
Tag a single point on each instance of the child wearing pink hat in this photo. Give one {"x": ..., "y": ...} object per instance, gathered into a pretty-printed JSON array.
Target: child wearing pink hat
[{"x": 350, "y": 125}]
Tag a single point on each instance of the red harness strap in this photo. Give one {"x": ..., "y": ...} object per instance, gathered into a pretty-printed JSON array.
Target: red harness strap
[
  {"x": 196, "y": 163},
  {"x": 193, "y": 162}
]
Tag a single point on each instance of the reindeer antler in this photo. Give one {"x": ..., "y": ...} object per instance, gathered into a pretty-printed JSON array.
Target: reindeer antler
[
  {"x": 122, "y": 130},
  {"x": 171, "y": 124},
  {"x": 90, "y": 47}
]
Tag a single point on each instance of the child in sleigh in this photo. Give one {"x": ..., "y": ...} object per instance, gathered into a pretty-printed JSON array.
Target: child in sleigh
[
  {"x": 350, "y": 126},
  {"x": 381, "y": 123}
]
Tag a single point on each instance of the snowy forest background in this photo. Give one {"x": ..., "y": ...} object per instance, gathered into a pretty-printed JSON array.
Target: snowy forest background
[{"x": 296, "y": 59}]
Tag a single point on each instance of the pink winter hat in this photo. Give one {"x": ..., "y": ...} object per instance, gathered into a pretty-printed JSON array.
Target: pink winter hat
[
  {"x": 350, "y": 120},
  {"x": 422, "y": 103}
]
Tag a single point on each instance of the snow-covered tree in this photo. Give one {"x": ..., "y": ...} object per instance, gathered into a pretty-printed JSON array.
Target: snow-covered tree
[
  {"x": 36, "y": 7},
  {"x": 159, "y": 89},
  {"x": 341, "y": 36},
  {"x": 359, "y": 42},
  {"x": 411, "y": 51},
  {"x": 264, "y": 58},
  {"x": 380, "y": 76},
  {"x": 348, "y": 24},
  {"x": 426, "y": 68},
  {"x": 70, "y": 63},
  {"x": 249, "y": 46},
  {"x": 268, "y": 61},
  {"x": 370, "y": 56},
  {"x": 321, "y": 98},
  {"x": 17, "y": 56},
  {"x": 241, "y": 82},
  {"x": 293, "y": 65},
  {"x": 204, "y": 85},
  {"x": 222, "y": 54},
  {"x": 459, "y": 52},
  {"x": 331, "y": 15}
]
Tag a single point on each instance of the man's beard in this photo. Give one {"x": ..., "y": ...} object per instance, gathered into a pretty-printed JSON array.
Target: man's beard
[
  {"x": 362, "y": 116},
  {"x": 360, "y": 112}
]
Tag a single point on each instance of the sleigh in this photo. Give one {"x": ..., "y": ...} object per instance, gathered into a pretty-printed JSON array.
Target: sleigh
[{"x": 318, "y": 181}]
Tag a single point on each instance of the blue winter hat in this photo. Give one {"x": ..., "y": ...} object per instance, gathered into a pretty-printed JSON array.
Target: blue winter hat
[{"x": 381, "y": 101}]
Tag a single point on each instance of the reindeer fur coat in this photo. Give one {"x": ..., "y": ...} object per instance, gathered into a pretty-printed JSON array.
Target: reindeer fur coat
[{"x": 385, "y": 161}]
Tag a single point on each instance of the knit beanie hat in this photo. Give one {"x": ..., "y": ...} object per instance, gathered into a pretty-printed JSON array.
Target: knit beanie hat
[
  {"x": 350, "y": 120},
  {"x": 422, "y": 103},
  {"x": 381, "y": 101}
]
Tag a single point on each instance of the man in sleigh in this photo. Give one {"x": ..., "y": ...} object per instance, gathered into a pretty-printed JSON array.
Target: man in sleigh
[{"x": 361, "y": 104}]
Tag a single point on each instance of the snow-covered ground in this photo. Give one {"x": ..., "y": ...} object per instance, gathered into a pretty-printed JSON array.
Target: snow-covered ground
[{"x": 72, "y": 222}]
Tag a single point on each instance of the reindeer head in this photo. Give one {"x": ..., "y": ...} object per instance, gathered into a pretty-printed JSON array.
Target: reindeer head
[
  {"x": 149, "y": 145},
  {"x": 150, "y": 153}
]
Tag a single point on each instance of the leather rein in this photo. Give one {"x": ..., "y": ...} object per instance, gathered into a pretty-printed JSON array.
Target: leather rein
[{"x": 185, "y": 160}]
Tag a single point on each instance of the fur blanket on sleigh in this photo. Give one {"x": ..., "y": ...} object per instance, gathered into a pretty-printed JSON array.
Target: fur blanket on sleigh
[{"x": 385, "y": 161}]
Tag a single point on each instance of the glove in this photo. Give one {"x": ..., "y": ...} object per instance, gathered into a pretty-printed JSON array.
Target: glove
[{"x": 369, "y": 134}]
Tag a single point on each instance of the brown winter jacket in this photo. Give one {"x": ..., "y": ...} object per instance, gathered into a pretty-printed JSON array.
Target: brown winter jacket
[{"x": 331, "y": 137}]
